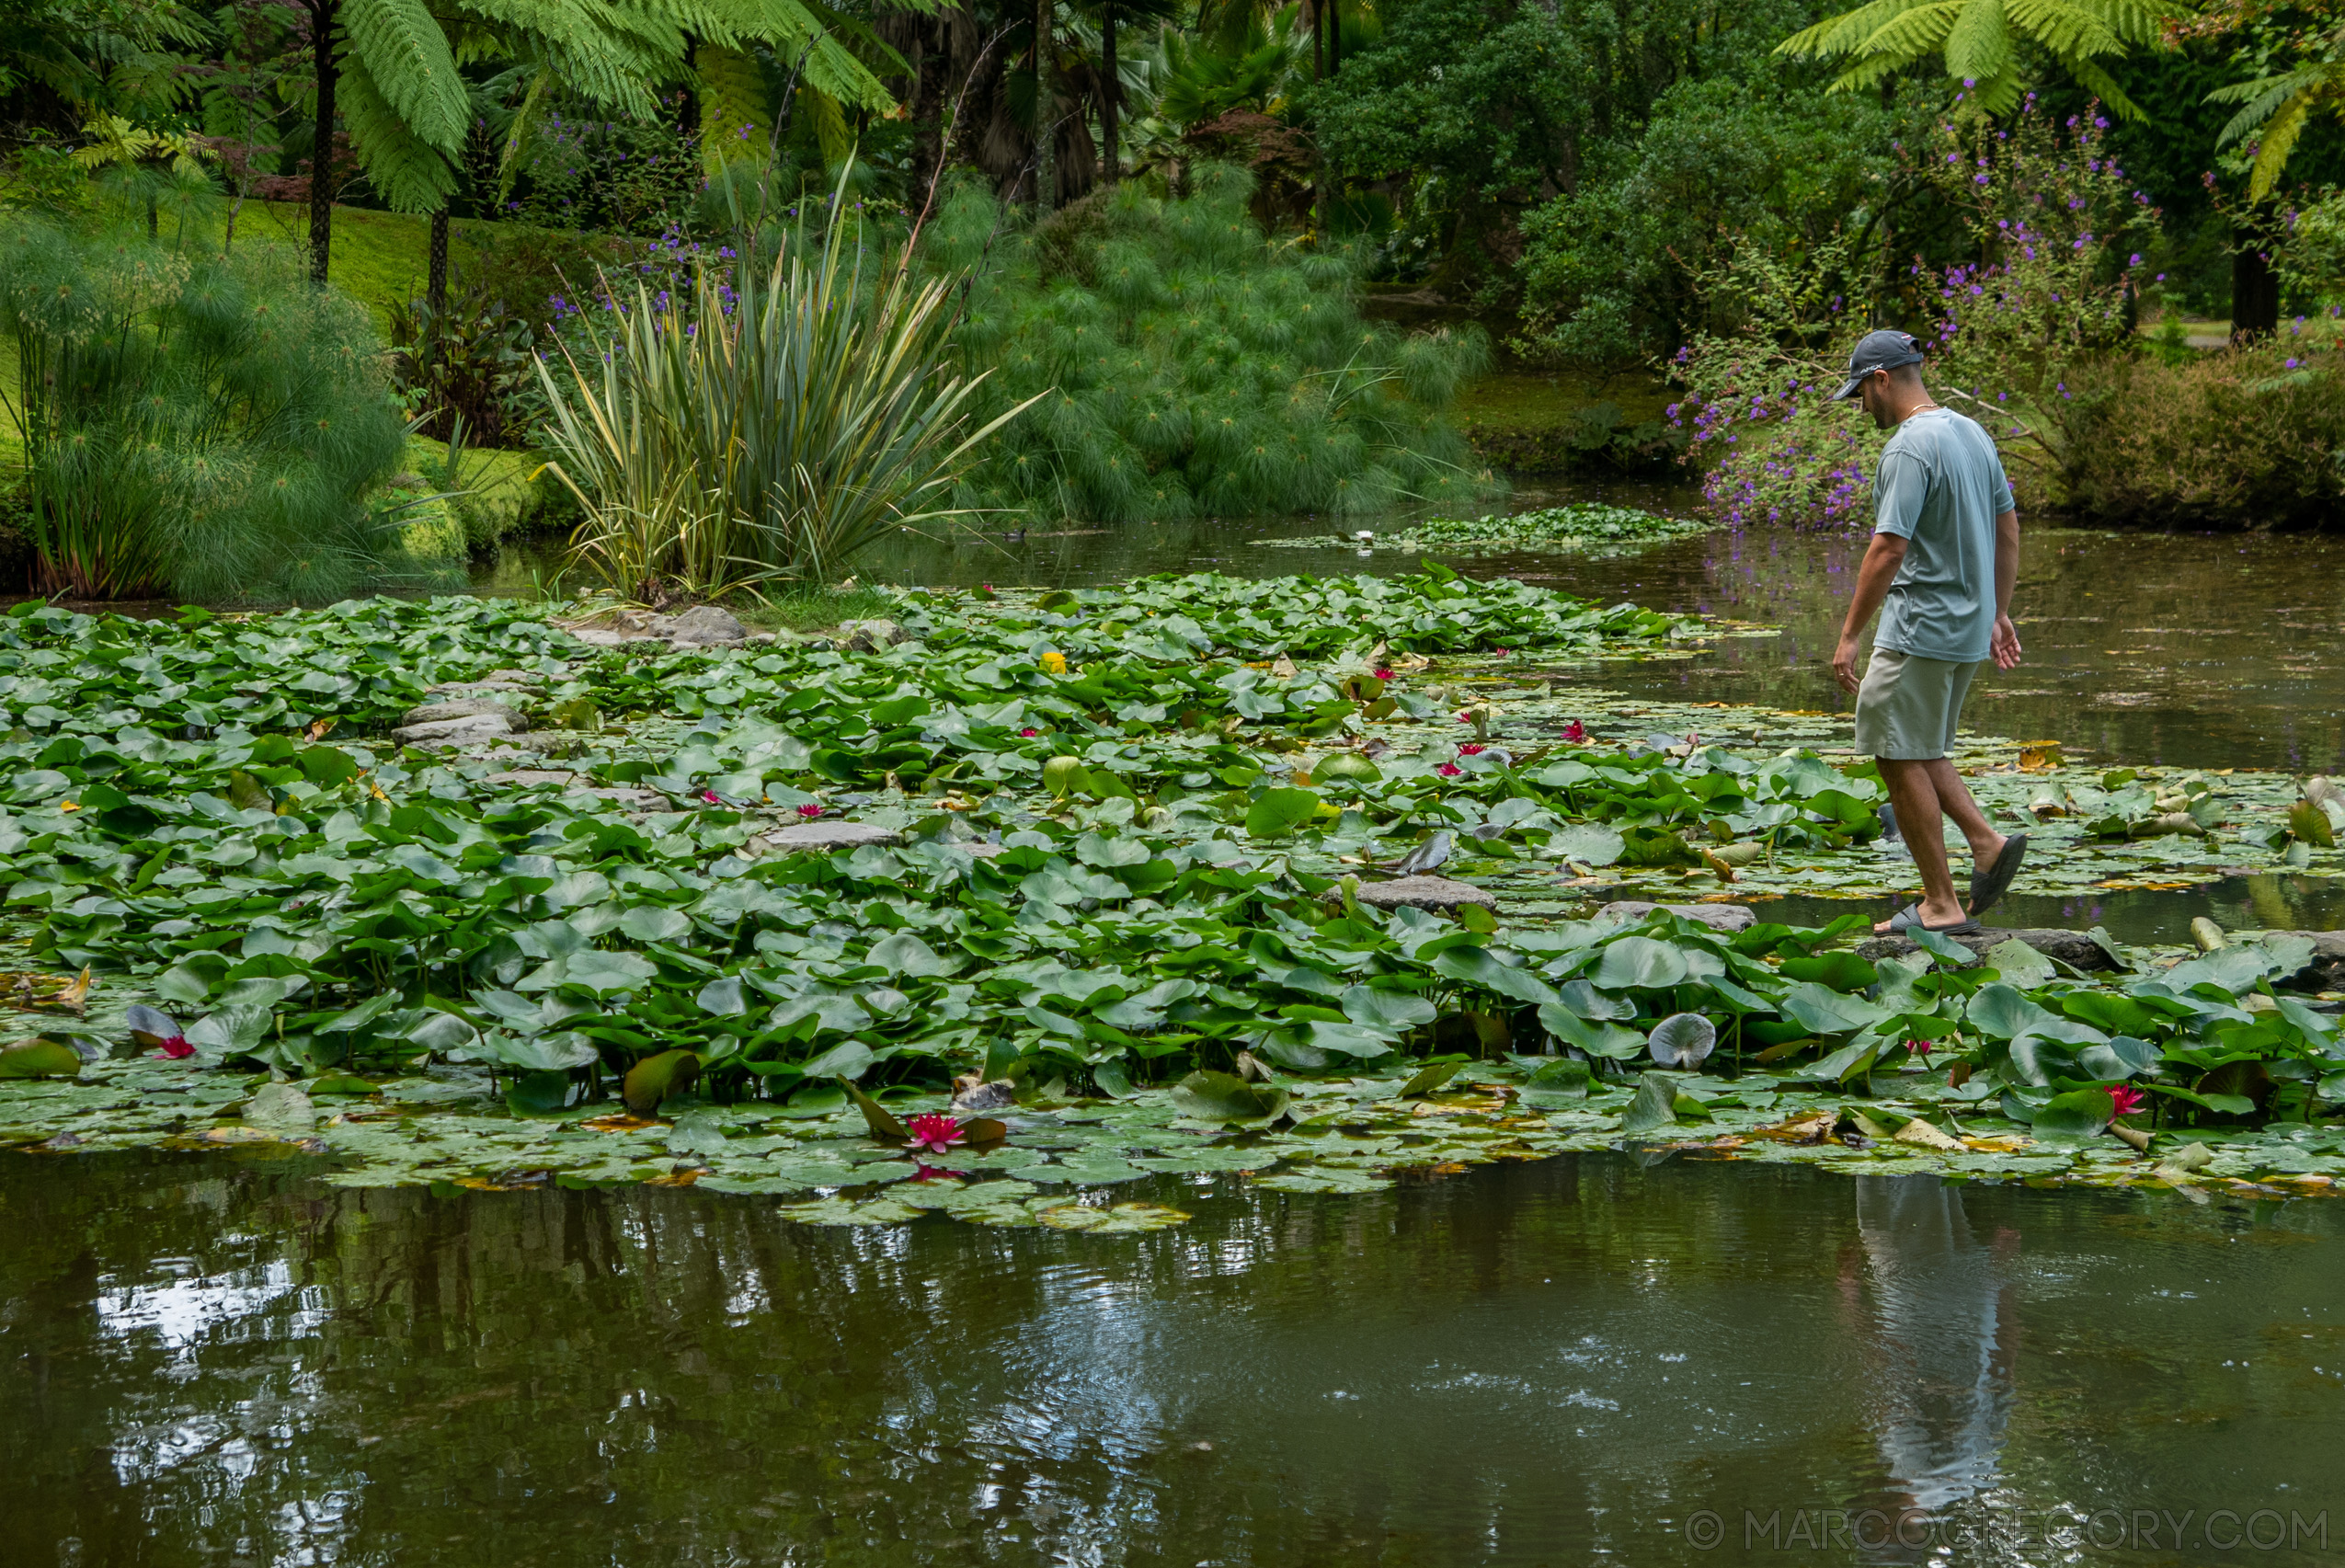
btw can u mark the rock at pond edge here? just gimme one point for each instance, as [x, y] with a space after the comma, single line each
[1436, 894]
[2073, 947]
[799, 838]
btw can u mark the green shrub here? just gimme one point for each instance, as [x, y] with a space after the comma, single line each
[210, 427]
[2240, 439]
[1191, 367]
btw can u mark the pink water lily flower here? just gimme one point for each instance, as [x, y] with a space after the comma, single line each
[2124, 1100]
[1469, 750]
[1384, 672]
[934, 1134]
[809, 811]
[1575, 732]
[1449, 769]
[1028, 733]
[709, 795]
[176, 1047]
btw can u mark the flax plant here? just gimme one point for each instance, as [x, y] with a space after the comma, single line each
[769, 426]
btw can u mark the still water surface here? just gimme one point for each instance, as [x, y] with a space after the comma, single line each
[2191, 650]
[1587, 1359]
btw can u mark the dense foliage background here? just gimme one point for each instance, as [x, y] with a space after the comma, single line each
[1250, 257]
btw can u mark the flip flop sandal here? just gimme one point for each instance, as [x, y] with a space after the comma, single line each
[1910, 919]
[1990, 883]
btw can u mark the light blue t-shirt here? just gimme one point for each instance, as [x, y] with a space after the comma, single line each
[1940, 488]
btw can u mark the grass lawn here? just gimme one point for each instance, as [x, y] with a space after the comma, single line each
[378, 258]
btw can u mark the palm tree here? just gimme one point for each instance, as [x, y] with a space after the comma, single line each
[1979, 40]
[1110, 80]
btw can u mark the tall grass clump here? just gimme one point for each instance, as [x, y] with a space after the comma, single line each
[208, 427]
[1189, 366]
[750, 426]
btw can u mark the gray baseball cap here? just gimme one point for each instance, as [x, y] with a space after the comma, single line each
[1883, 350]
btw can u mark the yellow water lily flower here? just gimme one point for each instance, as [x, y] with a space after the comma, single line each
[1054, 663]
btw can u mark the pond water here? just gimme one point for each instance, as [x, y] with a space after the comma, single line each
[2192, 650]
[222, 1362]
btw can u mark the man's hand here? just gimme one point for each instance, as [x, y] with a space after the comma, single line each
[2003, 643]
[1844, 663]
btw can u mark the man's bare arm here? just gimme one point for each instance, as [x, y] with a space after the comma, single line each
[2003, 643]
[1883, 558]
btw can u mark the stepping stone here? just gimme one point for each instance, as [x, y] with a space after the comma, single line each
[465, 707]
[1729, 918]
[2073, 947]
[632, 799]
[1437, 894]
[2326, 970]
[870, 637]
[701, 627]
[457, 730]
[820, 838]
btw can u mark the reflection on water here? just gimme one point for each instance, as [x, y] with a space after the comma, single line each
[1946, 1363]
[216, 1363]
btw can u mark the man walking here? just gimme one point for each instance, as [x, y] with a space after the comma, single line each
[1945, 554]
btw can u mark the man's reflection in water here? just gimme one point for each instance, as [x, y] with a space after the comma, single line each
[1943, 1337]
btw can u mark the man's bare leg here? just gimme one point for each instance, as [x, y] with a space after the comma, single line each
[1913, 794]
[1954, 799]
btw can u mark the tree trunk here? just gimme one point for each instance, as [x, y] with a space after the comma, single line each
[1319, 72]
[928, 113]
[1335, 36]
[1045, 118]
[435, 287]
[1110, 93]
[2255, 294]
[321, 151]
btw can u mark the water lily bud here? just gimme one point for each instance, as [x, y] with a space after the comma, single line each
[1060, 773]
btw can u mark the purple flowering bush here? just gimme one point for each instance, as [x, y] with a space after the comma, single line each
[2021, 333]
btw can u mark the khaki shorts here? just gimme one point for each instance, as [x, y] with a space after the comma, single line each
[1907, 705]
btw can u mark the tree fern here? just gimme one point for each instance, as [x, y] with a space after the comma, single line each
[404, 54]
[1978, 42]
[2275, 110]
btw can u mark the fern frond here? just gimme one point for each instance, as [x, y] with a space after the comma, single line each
[412, 70]
[2102, 86]
[797, 35]
[829, 124]
[2278, 140]
[1846, 33]
[1915, 33]
[407, 172]
[734, 120]
[1979, 43]
[2263, 100]
[2066, 29]
[517, 135]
